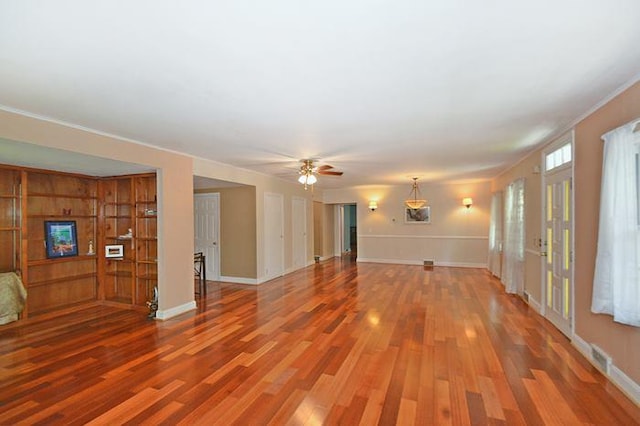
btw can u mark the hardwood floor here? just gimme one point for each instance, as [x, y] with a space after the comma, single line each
[335, 343]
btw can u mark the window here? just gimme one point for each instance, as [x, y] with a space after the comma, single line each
[558, 157]
[615, 283]
[513, 267]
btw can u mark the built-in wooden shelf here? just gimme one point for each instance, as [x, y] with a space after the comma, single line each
[63, 217]
[125, 274]
[150, 277]
[49, 195]
[104, 209]
[61, 280]
[61, 259]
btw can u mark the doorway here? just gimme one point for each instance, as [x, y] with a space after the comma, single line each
[206, 223]
[347, 230]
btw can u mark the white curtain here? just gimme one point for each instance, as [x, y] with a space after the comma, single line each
[513, 247]
[616, 289]
[495, 234]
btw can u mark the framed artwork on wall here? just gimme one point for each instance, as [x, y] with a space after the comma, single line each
[61, 238]
[114, 250]
[421, 215]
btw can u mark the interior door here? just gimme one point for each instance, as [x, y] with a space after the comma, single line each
[273, 235]
[557, 265]
[299, 225]
[206, 226]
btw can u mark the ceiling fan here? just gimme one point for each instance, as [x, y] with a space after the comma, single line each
[308, 171]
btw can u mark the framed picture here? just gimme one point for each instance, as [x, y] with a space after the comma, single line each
[115, 250]
[421, 215]
[61, 238]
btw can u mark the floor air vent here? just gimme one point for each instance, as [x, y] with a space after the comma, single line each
[428, 264]
[601, 359]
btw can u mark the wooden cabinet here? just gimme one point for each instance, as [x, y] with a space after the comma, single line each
[10, 220]
[146, 238]
[105, 211]
[129, 220]
[59, 282]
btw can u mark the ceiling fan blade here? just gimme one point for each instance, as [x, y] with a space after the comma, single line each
[325, 167]
[329, 172]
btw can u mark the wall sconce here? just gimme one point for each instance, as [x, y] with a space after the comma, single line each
[467, 202]
[373, 205]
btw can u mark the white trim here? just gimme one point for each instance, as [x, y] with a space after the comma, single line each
[582, 346]
[306, 265]
[535, 305]
[623, 382]
[429, 237]
[421, 262]
[175, 311]
[555, 135]
[89, 130]
[239, 280]
[606, 99]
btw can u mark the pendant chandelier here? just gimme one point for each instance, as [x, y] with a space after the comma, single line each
[415, 203]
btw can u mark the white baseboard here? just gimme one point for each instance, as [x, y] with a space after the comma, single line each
[535, 305]
[239, 280]
[420, 262]
[175, 311]
[625, 383]
[617, 376]
[323, 258]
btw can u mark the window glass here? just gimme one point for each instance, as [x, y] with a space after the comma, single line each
[558, 157]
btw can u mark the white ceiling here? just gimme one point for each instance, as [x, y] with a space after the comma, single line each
[382, 90]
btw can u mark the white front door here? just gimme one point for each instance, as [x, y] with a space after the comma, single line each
[273, 235]
[206, 211]
[299, 229]
[557, 265]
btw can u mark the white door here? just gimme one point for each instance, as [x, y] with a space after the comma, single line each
[273, 235]
[299, 232]
[206, 212]
[557, 235]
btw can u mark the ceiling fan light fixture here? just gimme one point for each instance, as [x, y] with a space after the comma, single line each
[415, 203]
[306, 174]
[309, 179]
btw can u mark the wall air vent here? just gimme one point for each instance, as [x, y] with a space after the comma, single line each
[601, 359]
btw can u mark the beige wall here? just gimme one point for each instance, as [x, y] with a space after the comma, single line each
[533, 182]
[620, 341]
[238, 232]
[456, 236]
[175, 221]
[328, 241]
[265, 184]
